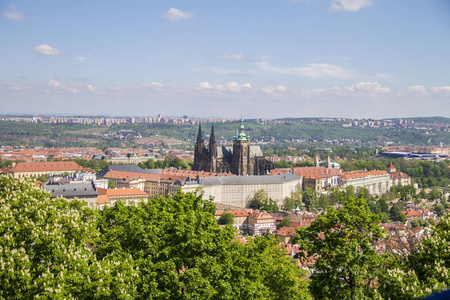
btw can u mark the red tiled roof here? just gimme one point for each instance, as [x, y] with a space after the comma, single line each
[361, 174]
[113, 174]
[286, 231]
[261, 215]
[238, 213]
[46, 167]
[122, 192]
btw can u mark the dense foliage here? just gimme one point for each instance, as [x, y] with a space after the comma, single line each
[261, 201]
[168, 248]
[342, 244]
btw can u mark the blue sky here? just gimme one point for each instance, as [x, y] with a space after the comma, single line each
[263, 58]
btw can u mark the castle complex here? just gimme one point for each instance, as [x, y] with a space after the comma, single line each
[240, 159]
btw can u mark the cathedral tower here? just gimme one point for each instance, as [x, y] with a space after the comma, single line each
[200, 151]
[212, 151]
[241, 151]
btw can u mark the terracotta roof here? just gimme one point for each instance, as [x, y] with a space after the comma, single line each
[286, 231]
[113, 174]
[412, 212]
[361, 174]
[102, 199]
[122, 192]
[46, 167]
[399, 175]
[239, 213]
[261, 215]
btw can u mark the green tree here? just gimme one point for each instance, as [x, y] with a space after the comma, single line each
[434, 194]
[396, 212]
[324, 201]
[342, 244]
[439, 210]
[424, 271]
[350, 190]
[47, 249]
[111, 184]
[226, 218]
[309, 198]
[285, 222]
[182, 253]
[383, 205]
[261, 201]
[289, 203]
[149, 164]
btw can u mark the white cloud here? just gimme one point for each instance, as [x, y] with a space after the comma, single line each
[152, 86]
[311, 70]
[156, 84]
[349, 5]
[420, 89]
[54, 83]
[93, 89]
[272, 90]
[441, 89]
[13, 14]
[69, 89]
[368, 87]
[80, 58]
[205, 85]
[174, 15]
[46, 50]
[228, 87]
[57, 85]
[237, 56]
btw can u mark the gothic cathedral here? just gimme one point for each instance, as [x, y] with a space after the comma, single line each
[241, 159]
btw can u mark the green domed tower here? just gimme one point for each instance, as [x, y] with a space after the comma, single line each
[241, 150]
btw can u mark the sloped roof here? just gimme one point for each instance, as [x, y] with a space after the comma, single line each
[79, 190]
[128, 168]
[261, 215]
[113, 174]
[122, 192]
[286, 231]
[46, 167]
[362, 174]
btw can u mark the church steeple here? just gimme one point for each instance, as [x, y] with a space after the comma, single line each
[240, 133]
[199, 150]
[212, 143]
[200, 144]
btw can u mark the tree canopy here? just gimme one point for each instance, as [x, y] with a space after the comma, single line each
[167, 248]
[226, 219]
[342, 244]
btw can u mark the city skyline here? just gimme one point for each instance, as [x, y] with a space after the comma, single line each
[267, 59]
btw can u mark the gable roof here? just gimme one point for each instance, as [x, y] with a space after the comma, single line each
[286, 231]
[127, 168]
[46, 167]
[79, 190]
[122, 192]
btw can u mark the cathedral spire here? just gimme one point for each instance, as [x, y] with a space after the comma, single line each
[240, 132]
[199, 150]
[212, 143]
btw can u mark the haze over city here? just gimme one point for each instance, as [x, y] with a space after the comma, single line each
[272, 59]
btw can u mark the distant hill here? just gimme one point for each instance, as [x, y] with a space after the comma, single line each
[431, 120]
